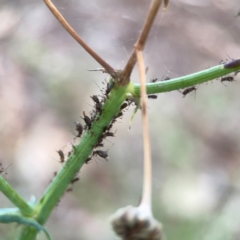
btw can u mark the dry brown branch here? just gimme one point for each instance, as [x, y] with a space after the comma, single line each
[72, 32]
[147, 182]
[125, 78]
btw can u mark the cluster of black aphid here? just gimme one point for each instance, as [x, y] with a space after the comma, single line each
[88, 120]
[94, 115]
[184, 92]
[106, 133]
[227, 64]
[154, 96]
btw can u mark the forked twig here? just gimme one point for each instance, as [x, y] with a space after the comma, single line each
[147, 178]
[125, 78]
[73, 33]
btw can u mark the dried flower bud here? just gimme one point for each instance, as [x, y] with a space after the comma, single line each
[136, 223]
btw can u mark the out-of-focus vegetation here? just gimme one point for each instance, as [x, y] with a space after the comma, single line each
[45, 86]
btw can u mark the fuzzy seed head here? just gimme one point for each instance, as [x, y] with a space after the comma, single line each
[134, 223]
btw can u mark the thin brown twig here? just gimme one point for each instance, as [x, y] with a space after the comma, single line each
[125, 77]
[72, 32]
[147, 177]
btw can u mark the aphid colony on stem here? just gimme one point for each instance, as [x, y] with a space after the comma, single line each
[226, 64]
[97, 111]
[88, 120]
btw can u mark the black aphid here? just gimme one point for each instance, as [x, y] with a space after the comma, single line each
[99, 145]
[110, 125]
[79, 129]
[110, 85]
[188, 90]
[118, 115]
[100, 139]
[75, 180]
[153, 80]
[87, 120]
[100, 153]
[166, 79]
[152, 96]
[99, 107]
[69, 153]
[95, 99]
[61, 155]
[227, 79]
[108, 134]
[124, 105]
[88, 160]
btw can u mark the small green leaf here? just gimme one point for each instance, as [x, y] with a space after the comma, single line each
[10, 215]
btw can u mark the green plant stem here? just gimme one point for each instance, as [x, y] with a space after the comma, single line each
[185, 81]
[72, 166]
[13, 196]
[60, 183]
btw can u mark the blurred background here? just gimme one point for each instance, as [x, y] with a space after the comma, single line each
[45, 86]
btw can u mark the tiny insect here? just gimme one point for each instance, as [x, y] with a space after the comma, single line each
[75, 180]
[79, 129]
[227, 79]
[153, 80]
[119, 115]
[124, 105]
[88, 160]
[152, 96]
[102, 154]
[110, 85]
[62, 157]
[95, 99]
[87, 120]
[109, 126]
[99, 145]
[69, 190]
[69, 153]
[188, 90]
[100, 139]
[232, 64]
[99, 107]
[108, 134]
[166, 78]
